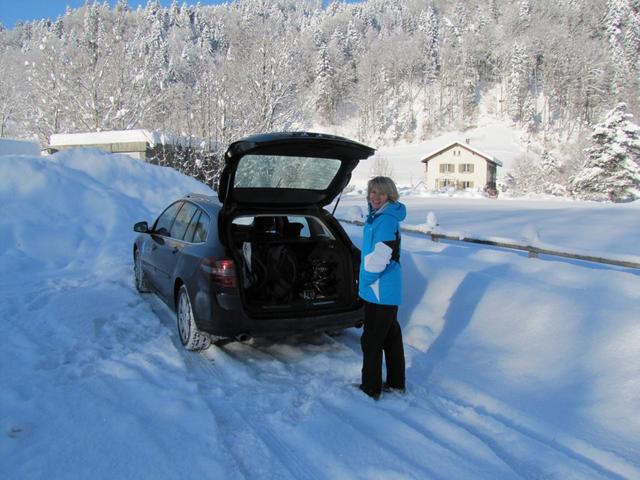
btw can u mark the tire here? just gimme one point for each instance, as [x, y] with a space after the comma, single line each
[140, 280]
[190, 337]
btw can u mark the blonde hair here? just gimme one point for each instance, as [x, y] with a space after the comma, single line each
[386, 185]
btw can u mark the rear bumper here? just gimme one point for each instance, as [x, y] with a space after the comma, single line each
[226, 317]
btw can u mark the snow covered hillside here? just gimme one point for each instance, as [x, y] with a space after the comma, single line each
[516, 367]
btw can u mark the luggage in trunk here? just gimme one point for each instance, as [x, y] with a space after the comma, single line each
[284, 272]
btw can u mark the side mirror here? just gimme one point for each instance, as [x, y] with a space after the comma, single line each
[141, 227]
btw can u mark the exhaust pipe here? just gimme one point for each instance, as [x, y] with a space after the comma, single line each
[243, 337]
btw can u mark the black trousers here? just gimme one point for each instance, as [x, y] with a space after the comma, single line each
[381, 334]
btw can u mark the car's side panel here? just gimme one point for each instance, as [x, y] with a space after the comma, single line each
[166, 255]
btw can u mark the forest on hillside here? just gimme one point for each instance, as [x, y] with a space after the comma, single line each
[382, 70]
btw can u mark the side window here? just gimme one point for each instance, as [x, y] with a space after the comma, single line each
[165, 220]
[202, 226]
[318, 229]
[188, 237]
[179, 227]
[303, 226]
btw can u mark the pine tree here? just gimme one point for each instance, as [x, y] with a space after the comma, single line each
[518, 81]
[428, 31]
[551, 172]
[323, 85]
[621, 24]
[611, 170]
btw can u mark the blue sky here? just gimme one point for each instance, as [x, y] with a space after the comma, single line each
[12, 11]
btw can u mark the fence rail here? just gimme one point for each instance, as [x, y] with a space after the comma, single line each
[532, 251]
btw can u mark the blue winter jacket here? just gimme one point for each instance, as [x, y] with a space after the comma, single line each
[380, 272]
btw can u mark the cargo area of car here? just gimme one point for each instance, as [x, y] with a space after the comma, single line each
[291, 265]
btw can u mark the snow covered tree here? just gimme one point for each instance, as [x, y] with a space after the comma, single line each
[622, 24]
[323, 85]
[9, 94]
[429, 43]
[551, 174]
[381, 167]
[46, 102]
[611, 170]
[524, 176]
[518, 81]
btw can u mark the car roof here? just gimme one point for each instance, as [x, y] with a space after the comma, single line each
[209, 203]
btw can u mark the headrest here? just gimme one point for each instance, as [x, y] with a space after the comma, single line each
[293, 229]
[264, 224]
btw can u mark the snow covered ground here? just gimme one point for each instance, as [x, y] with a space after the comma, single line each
[517, 367]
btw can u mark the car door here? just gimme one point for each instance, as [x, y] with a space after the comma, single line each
[167, 252]
[157, 239]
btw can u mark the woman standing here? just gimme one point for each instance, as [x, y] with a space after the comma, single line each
[381, 289]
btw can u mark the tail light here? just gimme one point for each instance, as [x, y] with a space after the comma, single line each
[221, 271]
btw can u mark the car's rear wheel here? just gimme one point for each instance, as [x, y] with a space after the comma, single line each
[141, 281]
[190, 336]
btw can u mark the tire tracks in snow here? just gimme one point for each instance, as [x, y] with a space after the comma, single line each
[254, 448]
[384, 453]
[275, 451]
[498, 432]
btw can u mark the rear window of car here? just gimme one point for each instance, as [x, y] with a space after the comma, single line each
[289, 226]
[277, 171]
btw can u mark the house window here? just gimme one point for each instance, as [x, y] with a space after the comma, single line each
[447, 168]
[446, 183]
[466, 184]
[465, 168]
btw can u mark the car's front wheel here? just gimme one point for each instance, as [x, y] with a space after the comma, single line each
[190, 336]
[141, 280]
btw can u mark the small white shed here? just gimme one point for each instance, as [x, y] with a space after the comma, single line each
[135, 143]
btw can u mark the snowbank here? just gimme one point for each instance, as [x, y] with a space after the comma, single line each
[18, 147]
[71, 207]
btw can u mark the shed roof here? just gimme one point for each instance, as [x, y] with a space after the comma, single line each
[110, 137]
[487, 157]
[104, 138]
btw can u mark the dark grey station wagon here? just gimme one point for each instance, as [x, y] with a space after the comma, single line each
[264, 258]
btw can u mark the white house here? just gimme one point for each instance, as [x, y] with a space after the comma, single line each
[460, 166]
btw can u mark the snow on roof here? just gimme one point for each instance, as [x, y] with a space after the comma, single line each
[487, 157]
[101, 138]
